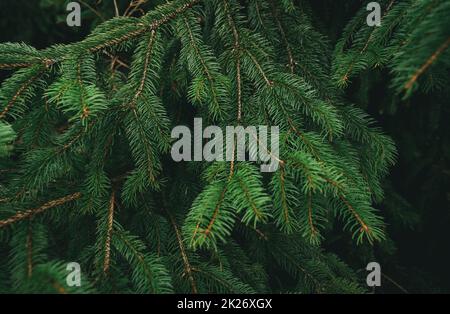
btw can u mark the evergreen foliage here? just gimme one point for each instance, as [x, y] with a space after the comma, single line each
[85, 167]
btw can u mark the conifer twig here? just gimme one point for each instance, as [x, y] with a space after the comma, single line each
[283, 195]
[202, 60]
[394, 282]
[115, 41]
[15, 65]
[140, 257]
[22, 88]
[211, 275]
[346, 76]
[87, 5]
[307, 273]
[310, 216]
[358, 218]
[29, 251]
[107, 261]
[144, 28]
[291, 60]
[216, 212]
[31, 212]
[187, 265]
[116, 9]
[236, 48]
[427, 64]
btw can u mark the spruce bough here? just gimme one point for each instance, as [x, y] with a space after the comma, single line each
[86, 174]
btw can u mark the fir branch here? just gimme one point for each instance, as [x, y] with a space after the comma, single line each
[284, 203]
[225, 61]
[32, 212]
[314, 232]
[116, 8]
[145, 68]
[364, 227]
[144, 28]
[93, 10]
[236, 50]
[107, 260]
[9, 66]
[427, 64]
[134, 6]
[22, 88]
[29, 246]
[317, 283]
[149, 274]
[208, 229]
[292, 62]
[141, 28]
[268, 82]
[209, 67]
[345, 77]
[184, 256]
[227, 282]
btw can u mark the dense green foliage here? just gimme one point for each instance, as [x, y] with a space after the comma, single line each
[86, 174]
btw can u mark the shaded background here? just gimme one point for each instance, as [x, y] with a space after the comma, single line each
[416, 256]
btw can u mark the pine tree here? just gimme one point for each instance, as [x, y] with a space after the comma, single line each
[86, 174]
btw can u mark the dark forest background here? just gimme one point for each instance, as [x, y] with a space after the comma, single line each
[416, 257]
